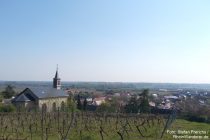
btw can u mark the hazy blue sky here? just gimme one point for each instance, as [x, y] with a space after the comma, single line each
[106, 40]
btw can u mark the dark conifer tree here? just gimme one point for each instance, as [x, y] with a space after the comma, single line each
[144, 101]
[85, 104]
[79, 105]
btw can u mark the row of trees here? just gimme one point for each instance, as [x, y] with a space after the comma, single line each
[192, 110]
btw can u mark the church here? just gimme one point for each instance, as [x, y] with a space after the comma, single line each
[48, 99]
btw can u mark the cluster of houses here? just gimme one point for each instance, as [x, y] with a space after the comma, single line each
[53, 98]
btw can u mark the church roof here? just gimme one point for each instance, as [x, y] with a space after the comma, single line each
[22, 98]
[31, 94]
[42, 93]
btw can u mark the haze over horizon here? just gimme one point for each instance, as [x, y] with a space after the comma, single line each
[155, 41]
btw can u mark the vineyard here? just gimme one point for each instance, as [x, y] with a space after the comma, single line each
[79, 126]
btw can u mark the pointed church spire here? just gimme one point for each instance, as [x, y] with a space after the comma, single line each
[56, 74]
[56, 80]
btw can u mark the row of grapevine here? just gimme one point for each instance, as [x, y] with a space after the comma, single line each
[79, 125]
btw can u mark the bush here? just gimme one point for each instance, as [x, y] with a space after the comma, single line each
[106, 107]
[195, 118]
[7, 108]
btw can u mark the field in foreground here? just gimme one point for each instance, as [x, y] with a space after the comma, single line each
[92, 126]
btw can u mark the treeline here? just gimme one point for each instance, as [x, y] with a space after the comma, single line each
[191, 110]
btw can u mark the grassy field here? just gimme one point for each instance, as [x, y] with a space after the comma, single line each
[90, 126]
[193, 127]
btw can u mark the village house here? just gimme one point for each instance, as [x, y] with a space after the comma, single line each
[48, 99]
[98, 101]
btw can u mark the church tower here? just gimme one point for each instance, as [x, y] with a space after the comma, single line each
[56, 80]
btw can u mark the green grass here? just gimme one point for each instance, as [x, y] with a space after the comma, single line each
[187, 125]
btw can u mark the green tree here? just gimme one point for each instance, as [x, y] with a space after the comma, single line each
[85, 104]
[132, 106]
[71, 105]
[79, 104]
[139, 104]
[104, 107]
[144, 101]
[8, 92]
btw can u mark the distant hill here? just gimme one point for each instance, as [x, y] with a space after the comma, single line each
[105, 85]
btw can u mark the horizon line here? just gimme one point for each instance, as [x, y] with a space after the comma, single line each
[106, 82]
